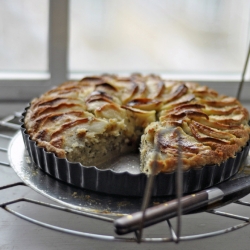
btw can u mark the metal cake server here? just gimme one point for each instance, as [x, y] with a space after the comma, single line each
[221, 194]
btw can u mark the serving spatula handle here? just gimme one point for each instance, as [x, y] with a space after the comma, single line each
[160, 212]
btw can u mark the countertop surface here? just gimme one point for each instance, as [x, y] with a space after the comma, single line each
[17, 233]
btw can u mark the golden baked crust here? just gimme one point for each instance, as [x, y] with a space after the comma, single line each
[92, 120]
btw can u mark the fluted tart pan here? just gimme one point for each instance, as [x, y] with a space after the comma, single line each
[128, 183]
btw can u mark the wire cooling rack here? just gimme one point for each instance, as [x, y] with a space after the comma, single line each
[173, 227]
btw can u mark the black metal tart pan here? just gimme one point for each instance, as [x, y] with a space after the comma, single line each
[126, 183]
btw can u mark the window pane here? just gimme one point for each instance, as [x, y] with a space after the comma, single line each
[24, 35]
[189, 36]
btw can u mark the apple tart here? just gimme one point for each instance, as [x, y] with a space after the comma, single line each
[99, 117]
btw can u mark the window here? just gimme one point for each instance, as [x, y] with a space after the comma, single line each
[42, 43]
[166, 36]
[23, 36]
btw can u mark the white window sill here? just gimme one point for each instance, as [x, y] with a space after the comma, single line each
[24, 76]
